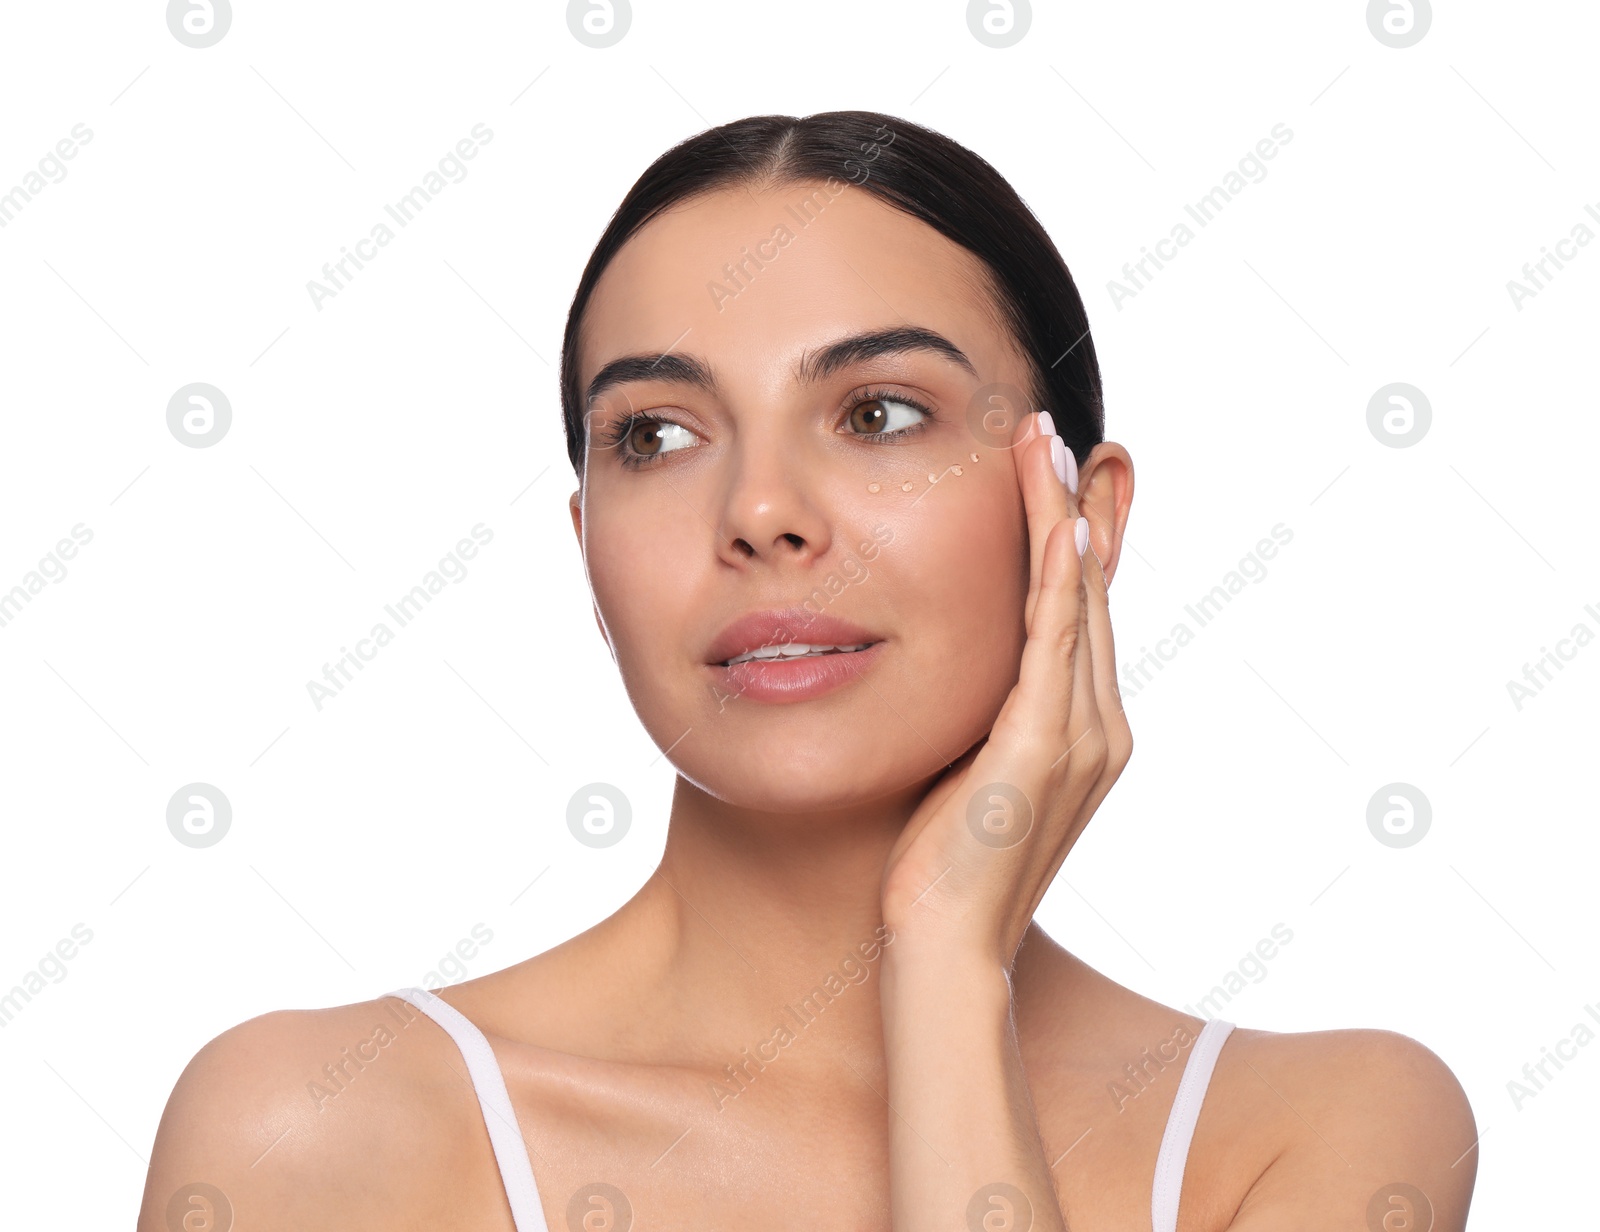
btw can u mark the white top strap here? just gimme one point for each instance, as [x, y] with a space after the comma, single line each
[510, 1150]
[1179, 1133]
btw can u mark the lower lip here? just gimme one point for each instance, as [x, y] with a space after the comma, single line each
[796, 679]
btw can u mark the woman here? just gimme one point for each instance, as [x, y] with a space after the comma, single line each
[849, 520]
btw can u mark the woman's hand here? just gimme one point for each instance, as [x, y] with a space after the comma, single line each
[975, 859]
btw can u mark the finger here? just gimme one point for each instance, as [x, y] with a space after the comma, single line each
[1107, 691]
[1086, 737]
[1076, 762]
[1046, 500]
[1047, 693]
[1106, 751]
[1052, 721]
[1027, 438]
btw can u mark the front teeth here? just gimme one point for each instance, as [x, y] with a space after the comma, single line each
[790, 650]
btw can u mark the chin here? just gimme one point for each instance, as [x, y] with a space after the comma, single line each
[786, 779]
[838, 772]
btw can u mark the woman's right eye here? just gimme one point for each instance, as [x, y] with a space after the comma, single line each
[641, 440]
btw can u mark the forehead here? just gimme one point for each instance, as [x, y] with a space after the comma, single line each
[749, 279]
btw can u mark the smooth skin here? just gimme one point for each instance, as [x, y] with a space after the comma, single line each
[971, 1048]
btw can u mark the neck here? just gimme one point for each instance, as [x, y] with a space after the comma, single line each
[759, 923]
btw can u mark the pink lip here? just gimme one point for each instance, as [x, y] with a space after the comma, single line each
[797, 679]
[790, 679]
[776, 626]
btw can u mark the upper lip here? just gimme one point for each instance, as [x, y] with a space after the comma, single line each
[780, 626]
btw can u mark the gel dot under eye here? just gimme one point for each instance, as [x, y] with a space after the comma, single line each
[874, 487]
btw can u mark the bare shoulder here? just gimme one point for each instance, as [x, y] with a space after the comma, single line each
[1312, 1130]
[1367, 1128]
[356, 1116]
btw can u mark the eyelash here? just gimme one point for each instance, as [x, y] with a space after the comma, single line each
[614, 435]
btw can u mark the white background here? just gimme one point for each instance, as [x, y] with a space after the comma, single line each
[368, 437]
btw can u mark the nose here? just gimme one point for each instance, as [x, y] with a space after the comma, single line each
[770, 508]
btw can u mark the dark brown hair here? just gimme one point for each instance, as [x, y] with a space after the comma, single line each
[914, 169]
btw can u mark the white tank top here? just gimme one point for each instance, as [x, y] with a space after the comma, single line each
[516, 1170]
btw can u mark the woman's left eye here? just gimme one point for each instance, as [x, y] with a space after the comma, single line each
[886, 415]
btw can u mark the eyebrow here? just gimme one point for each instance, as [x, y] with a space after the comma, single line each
[813, 366]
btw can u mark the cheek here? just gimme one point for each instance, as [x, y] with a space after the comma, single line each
[957, 571]
[964, 546]
[640, 587]
[943, 567]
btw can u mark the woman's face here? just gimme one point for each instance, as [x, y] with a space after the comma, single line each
[763, 486]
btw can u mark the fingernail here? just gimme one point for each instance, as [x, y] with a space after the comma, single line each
[1066, 465]
[1080, 534]
[1047, 426]
[1058, 458]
